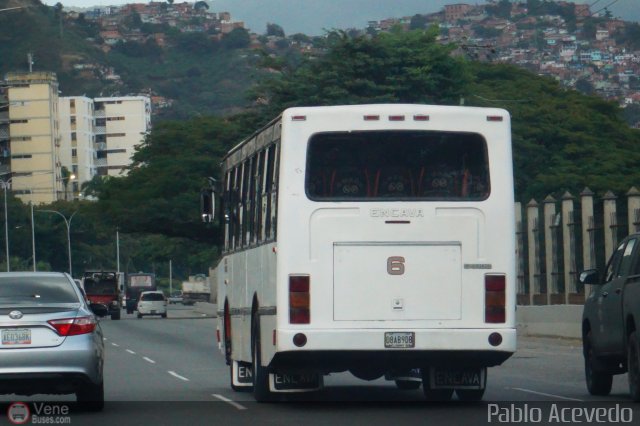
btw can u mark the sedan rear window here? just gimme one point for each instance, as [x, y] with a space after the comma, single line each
[36, 290]
[152, 297]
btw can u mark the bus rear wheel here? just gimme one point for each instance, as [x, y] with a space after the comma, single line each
[261, 390]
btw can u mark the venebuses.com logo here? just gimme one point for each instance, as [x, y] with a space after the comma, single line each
[18, 413]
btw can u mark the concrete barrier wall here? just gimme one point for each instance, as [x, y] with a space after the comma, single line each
[550, 320]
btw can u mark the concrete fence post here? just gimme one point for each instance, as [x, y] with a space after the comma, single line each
[549, 209]
[521, 296]
[633, 202]
[568, 247]
[588, 232]
[610, 224]
[534, 252]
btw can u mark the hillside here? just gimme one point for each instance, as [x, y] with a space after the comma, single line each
[196, 74]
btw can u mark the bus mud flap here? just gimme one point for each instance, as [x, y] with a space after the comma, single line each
[291, 382]
[242, 374]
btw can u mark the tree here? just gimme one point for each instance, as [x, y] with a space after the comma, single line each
[238, 38]
[501, 9]
[390, 67]
[201, 5]
[585, 86]
[418, 22]
[274, 30]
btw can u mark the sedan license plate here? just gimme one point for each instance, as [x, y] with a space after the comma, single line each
[16, 336]
[399, 339]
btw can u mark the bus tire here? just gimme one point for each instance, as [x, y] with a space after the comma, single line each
[633, 366]
[598, 381]
[434, 395]
[407, 384]
[261, 391]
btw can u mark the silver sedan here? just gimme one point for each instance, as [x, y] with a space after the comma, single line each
[51, 340]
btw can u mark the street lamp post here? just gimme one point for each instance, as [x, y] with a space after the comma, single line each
[5, 184]
[68, 223]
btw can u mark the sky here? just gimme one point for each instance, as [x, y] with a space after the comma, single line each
[312, 17]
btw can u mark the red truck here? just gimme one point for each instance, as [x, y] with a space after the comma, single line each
[103, 287]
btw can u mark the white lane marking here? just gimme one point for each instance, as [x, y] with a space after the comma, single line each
[131, 352]
[228, 401]
[148, 360]
[174, 374]
[104, 338]
[548, 394]
[115, 344]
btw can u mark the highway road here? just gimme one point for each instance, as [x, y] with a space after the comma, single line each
[169, 372]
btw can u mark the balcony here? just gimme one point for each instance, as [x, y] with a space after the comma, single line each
[99, 113]
[100, 130]
[100, 162]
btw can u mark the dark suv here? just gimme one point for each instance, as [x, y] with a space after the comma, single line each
[611, 342]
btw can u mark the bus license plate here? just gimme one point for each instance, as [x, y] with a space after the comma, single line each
[399, 339]
[16, 336]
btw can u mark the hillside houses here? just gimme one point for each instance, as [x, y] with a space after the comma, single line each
[560, 46]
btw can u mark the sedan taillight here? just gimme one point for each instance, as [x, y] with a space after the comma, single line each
[74, 326]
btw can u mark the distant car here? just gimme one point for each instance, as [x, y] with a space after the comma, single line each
[51, 340]
[152, 303]
[176, 297]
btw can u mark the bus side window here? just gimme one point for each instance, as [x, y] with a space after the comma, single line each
[237, 207]
[274, 192]
[226, 211]
[266, 197]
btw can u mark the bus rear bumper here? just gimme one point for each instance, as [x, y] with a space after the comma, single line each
[342, 349]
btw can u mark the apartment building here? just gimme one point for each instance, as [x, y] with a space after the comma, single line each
[77, 150]
[51, 145]
[5, 158]
[120, 125]
[34, 136]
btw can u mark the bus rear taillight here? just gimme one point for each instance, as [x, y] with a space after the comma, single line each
[494, 298]
[299, 300]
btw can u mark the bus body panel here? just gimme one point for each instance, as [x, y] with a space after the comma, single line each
[447, 249]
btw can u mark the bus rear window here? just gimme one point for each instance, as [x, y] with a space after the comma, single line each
[397, 165]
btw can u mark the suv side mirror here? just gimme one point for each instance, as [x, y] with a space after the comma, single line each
[589, 276]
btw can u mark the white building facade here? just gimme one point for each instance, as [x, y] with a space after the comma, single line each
[120, 125]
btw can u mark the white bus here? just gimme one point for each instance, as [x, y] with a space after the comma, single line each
[374, 239]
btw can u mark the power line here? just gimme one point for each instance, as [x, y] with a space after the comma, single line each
[610, 4]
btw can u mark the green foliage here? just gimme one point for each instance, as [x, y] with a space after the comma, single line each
[274, 30]
[486, 32]
[629, 35]
[391, 67]
[238, 38]
[501, 9]
[562, 140]
[418, 22]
